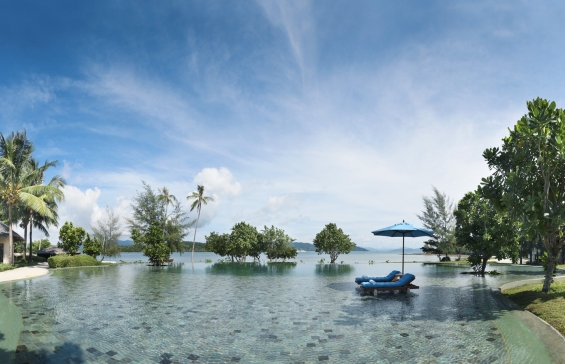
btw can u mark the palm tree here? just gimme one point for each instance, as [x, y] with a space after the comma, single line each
[167, 199]
[35, 219]
[16, 182]
[199, 199]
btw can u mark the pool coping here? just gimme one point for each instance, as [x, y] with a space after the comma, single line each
[553, 339]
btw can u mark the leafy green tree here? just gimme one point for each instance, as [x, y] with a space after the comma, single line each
[244, 241]
[219, 244]
[199, 199]
[276, 244]
[16, 182]
[528, 177]
[41, 244]
[484, 231]
[71, 238]
[92, 247]
[438, 217]
[151, 208]
[333, 241]
[154, 246]
[107, 230]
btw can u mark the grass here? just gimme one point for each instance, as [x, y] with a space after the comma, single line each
[21, 263]
[548, 306]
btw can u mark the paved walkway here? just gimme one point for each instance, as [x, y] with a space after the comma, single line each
[24, 272]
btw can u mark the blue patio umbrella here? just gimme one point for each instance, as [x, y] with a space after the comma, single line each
[403, 229]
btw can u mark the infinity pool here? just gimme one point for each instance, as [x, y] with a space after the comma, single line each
[304, 312]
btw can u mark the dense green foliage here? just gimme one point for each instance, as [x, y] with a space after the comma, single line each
[484, 231]
[333, 241]
[151, 208]
[438, 217]
[154, 246]
[71, 238]
[528, 177]
[276, 244]
[41, 244]
[64, 261]
[91, 246]
[244, 240]
[22, 191]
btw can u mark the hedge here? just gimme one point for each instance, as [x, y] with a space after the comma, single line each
[63, 261]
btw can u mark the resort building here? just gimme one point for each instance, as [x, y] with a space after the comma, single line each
[4, 240]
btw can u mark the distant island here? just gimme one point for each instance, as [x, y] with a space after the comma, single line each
[309, 247]
[126, 246]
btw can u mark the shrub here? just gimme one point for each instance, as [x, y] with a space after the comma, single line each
[63, 261]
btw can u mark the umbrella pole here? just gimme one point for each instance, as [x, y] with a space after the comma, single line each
[402, 254]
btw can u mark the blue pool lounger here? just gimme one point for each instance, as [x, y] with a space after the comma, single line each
[403, 284]
[388, 278]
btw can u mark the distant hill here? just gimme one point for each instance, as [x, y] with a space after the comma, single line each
[126, 246]
[309, 247]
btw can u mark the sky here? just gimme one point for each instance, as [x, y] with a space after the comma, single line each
[290, 113]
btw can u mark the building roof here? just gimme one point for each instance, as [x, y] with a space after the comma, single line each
[5, 232]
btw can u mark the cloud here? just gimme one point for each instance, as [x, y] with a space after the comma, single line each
[221, 185]
[219, 182]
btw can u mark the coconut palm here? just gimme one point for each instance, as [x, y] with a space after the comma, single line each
[16, 181]
[199, 199]
[167, 199]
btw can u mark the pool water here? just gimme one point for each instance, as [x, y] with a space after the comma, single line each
[256, 313]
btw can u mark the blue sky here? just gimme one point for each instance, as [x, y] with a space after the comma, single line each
[293, 114]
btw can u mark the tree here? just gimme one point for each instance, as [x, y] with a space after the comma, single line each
[219, 244]
[244, 241]
[199, 199]
[432, 247]
[16, 182]
[528, 177]
[154, 245]
[438, 217]
[92, 247]
[41, 244]
[276, 244]
[35, 219]
[484, 231]
[71, 238]
[333, 241]
[151, 209]
[107, 230]
[167, 199]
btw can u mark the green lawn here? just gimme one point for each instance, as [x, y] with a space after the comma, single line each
[549, 306]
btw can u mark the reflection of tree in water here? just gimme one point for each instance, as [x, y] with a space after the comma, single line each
[333, 269]
[251, 269]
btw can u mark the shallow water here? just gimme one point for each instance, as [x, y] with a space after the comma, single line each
[302, 312]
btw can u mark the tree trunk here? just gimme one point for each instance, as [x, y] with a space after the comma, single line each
[25, 242]
[548, 274]
[194, 240]
[520, 256]
[484, 265]
[30, 237]
[11, 237]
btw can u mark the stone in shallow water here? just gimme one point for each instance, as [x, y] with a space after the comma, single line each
[404, 334]
[310, 345]
[323, 357]
[193, 357]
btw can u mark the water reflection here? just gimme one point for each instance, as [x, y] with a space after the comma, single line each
[251, 269]
[333, 269]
